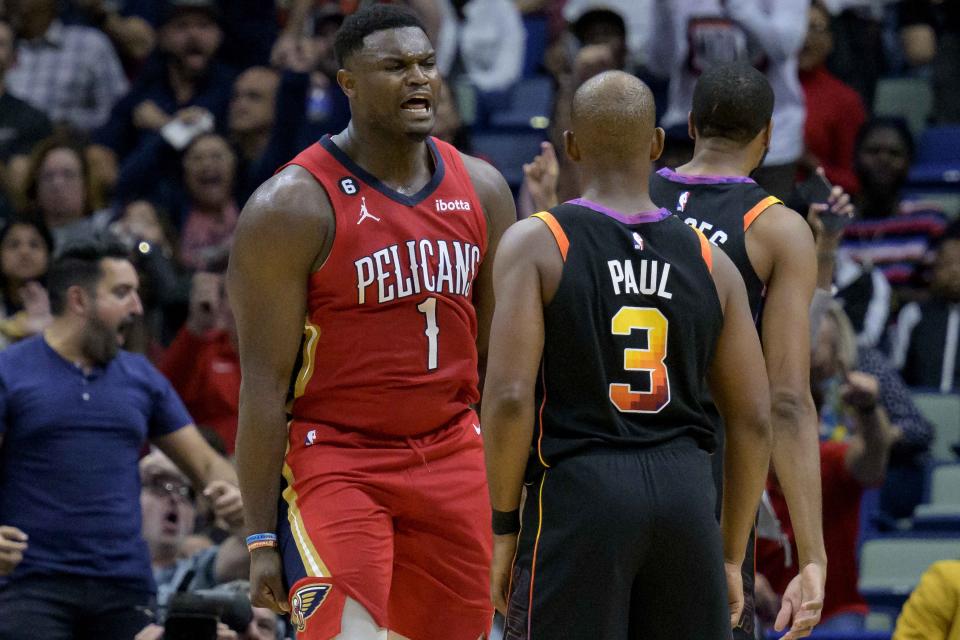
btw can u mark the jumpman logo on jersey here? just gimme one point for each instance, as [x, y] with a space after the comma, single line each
[364, 213]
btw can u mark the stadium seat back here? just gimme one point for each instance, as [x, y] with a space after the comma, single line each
[943, 411]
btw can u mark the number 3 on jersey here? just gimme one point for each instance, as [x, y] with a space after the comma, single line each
[650, 360]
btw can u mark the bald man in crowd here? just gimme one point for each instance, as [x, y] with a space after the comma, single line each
[619, 537]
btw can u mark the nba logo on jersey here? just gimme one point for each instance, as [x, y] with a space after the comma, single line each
[311, 438]
[682, 202]
[305, 603]
[637, 241]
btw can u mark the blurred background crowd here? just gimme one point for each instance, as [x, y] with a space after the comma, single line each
[156, 120]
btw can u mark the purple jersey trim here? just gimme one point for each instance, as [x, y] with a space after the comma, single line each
[627, 218]
[673, 176]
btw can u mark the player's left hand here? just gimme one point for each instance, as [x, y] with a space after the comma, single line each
[227, 502]
[504, 550]
[734, 591]
[802, 602]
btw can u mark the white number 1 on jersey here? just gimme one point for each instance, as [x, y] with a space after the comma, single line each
[429, 308]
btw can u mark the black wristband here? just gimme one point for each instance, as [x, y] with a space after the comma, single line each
[506, 522]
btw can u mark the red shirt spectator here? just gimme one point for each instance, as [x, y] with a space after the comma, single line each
[834, 115]
[835, 112]
[202, 361]
[205, 371]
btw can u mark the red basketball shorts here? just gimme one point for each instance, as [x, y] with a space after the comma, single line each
[402, 526]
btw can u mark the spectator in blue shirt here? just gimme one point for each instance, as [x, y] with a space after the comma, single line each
[182, 85]
[75, 413]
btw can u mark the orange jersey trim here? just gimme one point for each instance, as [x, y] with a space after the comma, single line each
[759, 208]
[706, 249]
[562, 242]
[543, 376]
[536, 548]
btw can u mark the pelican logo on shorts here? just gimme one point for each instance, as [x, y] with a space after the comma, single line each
[682, 202]
[306, 601]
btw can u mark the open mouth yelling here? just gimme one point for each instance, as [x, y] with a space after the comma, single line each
[416, 106]
[171, 522]
[123, 331]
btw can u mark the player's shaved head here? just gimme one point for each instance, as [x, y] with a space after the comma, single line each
[732, 101]
[613, 118]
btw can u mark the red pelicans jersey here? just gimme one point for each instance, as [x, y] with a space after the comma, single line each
[390, 338]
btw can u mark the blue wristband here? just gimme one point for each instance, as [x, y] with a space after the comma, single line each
[261, 537]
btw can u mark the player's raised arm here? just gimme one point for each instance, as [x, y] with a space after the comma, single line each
[279, 241]
[500, 212]
[738, 382]
[786, 346]
[516, 346]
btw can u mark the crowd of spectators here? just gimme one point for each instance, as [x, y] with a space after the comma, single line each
[154, 121]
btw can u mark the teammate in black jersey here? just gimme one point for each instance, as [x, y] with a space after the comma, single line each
[607, 323]
[773, 249]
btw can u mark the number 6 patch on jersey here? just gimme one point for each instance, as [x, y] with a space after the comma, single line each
[348, 186]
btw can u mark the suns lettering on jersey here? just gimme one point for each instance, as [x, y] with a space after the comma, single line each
[416, 266]
[716, 238]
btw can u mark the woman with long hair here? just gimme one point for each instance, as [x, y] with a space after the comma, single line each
[25, 249]
[60, 190]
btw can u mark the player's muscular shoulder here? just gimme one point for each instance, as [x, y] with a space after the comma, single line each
[294, 207]
[491, 188]
[495, 198]
[774, 237]
[530, 242]
[726, 277]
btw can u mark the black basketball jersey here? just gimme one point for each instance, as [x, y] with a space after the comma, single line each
[629, 333]
[723, 208]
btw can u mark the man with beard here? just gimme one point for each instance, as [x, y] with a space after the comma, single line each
[182, 86]
[75, 413]
[730, 123]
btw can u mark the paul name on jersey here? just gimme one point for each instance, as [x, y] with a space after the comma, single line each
[408, 269]
[652, 280]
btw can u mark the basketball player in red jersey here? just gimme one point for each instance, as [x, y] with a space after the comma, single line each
[382, 238]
